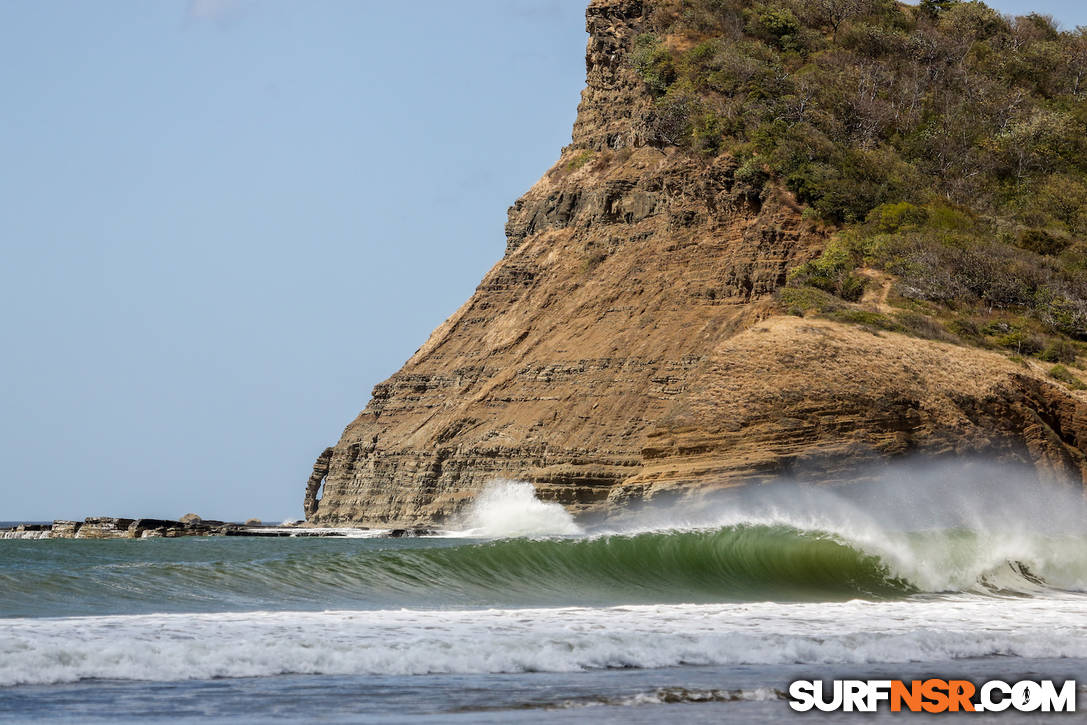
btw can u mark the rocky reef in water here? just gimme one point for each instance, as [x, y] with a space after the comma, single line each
[632, 343]
[110, 527]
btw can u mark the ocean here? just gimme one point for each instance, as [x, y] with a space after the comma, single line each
[697, 612]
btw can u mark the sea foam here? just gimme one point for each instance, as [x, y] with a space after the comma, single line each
[404, 642]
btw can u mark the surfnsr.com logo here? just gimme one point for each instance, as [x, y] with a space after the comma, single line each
[933, 695]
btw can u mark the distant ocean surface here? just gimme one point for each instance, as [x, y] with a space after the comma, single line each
[522, 615]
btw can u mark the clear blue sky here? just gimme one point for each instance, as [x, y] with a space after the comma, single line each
[223, 221]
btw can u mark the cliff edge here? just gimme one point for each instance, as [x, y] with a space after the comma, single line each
[634, 341]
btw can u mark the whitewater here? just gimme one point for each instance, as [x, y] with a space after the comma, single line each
[705, 607]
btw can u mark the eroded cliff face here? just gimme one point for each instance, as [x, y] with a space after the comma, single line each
[628, 345]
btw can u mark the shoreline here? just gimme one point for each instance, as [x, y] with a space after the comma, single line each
[110, 527]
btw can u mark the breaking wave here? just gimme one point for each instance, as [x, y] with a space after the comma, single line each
[510, 508]
[749, 561]
[772, 576]
[980, 531]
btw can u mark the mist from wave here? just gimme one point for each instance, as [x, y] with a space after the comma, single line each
[926, 530]
[508, 509]
[967, 526]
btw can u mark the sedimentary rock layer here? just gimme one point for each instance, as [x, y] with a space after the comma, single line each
[627, 344]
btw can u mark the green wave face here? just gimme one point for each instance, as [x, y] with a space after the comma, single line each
[972, 528]
[734, 563]
[748, 561]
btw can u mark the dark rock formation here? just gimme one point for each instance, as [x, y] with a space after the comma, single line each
[313, 486]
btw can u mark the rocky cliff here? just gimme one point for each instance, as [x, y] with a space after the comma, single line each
[630, 343]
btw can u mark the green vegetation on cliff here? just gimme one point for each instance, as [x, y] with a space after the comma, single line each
[946, 144]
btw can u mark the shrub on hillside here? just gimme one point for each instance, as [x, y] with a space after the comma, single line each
[945, 141]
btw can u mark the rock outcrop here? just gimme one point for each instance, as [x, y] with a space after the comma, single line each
[108, 527]
[628, 344]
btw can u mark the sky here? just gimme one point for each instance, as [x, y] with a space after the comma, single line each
[224, 221]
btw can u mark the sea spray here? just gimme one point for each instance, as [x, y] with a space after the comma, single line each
[928, 530]
[510, 508]
[962, 525]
